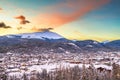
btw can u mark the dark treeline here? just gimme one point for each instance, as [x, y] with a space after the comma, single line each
[74, 73]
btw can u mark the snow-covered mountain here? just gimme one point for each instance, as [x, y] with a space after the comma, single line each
[38, 35]
[47, 41]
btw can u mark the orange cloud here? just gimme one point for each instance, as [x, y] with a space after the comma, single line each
[77, 8]
[22, 19]
[1, 9]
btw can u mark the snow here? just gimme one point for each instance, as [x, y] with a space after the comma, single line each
[15, 74]
[118, 62]
[37, 35]
[42, 35]
[73, 45]
[106, 41]
[89, 46]
[52, 67]
[10, 36]
[9, 53]
[95, 42]
[61, 48]
[103, 66]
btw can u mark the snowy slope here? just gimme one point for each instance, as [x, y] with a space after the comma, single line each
[39, 35]
[105, 42]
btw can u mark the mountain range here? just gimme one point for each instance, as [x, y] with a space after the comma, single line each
[49, 42]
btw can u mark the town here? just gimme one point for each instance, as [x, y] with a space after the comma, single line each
[14, 64]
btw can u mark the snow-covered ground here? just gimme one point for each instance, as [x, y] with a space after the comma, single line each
[18, 65]
[52, 67]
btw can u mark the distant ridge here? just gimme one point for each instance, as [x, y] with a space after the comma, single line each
[47, 41]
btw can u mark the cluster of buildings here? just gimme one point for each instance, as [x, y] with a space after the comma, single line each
[21, 63]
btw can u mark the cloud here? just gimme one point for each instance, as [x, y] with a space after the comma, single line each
[46, 29]
[19, 28]
[22, 19]
[1, 9]
[78, 9]
[41, 29]
[3, 25]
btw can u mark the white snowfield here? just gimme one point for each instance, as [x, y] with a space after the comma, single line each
[51, 67]
[41, 35]
[37, 35]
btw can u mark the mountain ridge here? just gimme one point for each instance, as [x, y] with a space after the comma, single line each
[43, 44]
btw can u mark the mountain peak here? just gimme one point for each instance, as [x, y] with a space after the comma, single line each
[39, 35]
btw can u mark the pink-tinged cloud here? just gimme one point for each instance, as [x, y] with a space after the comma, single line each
[1, 9]
[22, 19]
[78, 8]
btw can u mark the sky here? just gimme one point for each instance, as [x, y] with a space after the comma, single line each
[73, 19]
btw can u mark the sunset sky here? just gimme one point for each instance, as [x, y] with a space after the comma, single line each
[73, 19]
